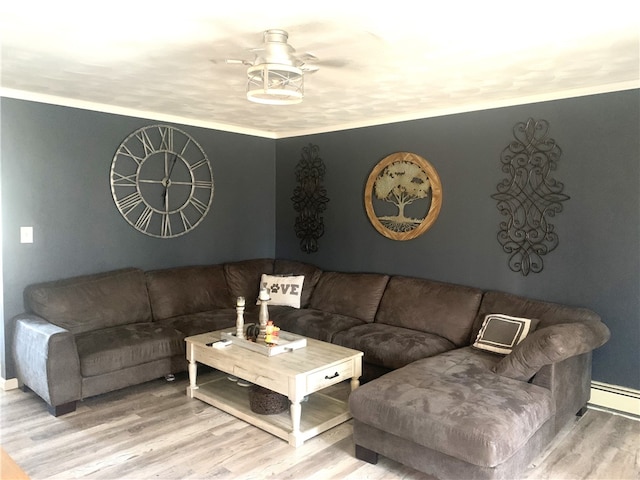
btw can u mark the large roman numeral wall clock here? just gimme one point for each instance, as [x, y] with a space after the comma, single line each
[161, 181]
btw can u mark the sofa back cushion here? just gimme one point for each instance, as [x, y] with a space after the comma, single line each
[243, 277]
[311, 276]
[352, 294]
[442, 309]
[91, 302]
[186, 290]
[548, 313]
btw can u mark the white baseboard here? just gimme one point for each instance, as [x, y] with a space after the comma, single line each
[614, 397]
[10, 384]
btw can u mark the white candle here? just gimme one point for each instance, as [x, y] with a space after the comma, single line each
[240, 302]
[264, 295]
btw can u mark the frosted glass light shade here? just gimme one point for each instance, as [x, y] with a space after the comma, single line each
[275, 84]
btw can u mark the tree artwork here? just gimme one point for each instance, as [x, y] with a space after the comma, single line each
[407, 182]
[401, 183]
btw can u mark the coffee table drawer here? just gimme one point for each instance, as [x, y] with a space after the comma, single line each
[330, 376]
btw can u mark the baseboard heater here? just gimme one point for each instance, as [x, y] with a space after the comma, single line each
[614, 397]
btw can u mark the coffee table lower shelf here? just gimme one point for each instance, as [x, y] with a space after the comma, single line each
[319, 413]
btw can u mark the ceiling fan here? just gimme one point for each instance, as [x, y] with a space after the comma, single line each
[276, 50]
[275, 75]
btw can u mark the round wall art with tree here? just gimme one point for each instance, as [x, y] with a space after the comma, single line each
[403, 196]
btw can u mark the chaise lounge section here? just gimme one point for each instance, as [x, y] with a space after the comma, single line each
[468, 413]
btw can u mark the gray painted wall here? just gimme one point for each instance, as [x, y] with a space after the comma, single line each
[597, 263]
[55, 177]
[55, 166]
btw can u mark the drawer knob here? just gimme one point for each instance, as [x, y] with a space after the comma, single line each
[327, 377]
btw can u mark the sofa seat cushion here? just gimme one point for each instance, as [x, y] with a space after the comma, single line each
[202, 322]
[116, 348]
[391, 347]
[311, 323]
[454, 404]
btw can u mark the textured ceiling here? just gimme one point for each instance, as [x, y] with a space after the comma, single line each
[378, 64]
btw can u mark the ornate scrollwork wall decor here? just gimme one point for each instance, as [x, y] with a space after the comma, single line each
[310, 198]
[403, 196]
[529, 196]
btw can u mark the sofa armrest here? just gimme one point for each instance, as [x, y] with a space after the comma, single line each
[570, 384]
[558, 358]
[550, 345]
[46, 359]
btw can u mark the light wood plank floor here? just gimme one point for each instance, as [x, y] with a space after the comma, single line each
[155, 431]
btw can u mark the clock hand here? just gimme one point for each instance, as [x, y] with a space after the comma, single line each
[173, 164]
[168, 179]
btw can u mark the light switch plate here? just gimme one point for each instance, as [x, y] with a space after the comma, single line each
[26, 234]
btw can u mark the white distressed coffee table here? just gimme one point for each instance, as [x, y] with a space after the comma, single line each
[296, 374]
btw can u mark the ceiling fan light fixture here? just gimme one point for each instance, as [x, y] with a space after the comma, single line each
[275, 84]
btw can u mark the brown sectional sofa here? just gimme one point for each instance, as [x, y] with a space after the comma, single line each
[428, 398]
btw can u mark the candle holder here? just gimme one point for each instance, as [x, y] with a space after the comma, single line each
[263, 316]
[240, 317]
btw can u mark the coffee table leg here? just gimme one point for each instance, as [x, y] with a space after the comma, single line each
[355, 383]
[193, 372]
[296, 413]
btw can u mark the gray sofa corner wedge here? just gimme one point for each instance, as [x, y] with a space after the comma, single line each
[428, 398]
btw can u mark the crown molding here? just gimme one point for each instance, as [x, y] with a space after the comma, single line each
[128, 112]
[467, 107]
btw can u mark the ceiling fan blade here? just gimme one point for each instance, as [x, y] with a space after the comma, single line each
[236, 61]
[307, 57]
[306, 68]
[230, 61]
[311, 61]
[335, 63]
